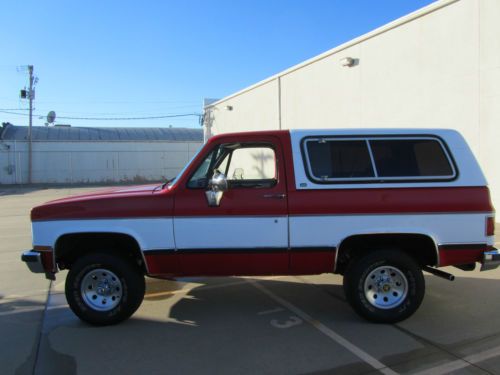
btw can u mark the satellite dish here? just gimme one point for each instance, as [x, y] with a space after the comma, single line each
[51, 117]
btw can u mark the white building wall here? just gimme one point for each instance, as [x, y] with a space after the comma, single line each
[489, 93]
[437, 67]
[94, 162]
[254, 110]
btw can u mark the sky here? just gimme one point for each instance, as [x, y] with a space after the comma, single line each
[129, 59]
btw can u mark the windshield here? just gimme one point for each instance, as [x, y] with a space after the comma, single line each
[174, 181]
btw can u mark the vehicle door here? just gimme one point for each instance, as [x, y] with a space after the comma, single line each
[239, 230]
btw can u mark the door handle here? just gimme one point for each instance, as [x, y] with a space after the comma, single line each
[275, 196]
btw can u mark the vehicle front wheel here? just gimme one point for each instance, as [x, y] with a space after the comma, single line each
[385, 286]
[104, 289]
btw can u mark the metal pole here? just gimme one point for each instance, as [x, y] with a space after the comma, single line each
[30, 151]
[207, 124]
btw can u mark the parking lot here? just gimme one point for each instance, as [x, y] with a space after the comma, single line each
[251, 325]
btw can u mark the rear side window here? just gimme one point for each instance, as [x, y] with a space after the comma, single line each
[410, 158]
[377, 159]
[339, 159]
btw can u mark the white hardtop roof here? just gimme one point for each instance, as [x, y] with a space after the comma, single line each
[469, 172]
[373, 131]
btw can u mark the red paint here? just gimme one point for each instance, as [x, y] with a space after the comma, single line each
[389, 201]
[450, 257]
[311, 262]
[225, 264]
[48, 261]
[237, 202]
[242, 263]
[216, 264]
[192, 202]
[162, 263]
[130, 202]
[490, 226]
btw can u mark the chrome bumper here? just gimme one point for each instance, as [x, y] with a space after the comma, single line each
[33, 260]
[491, 260]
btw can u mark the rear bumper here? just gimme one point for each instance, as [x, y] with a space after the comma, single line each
[33, 260]
[491, 260]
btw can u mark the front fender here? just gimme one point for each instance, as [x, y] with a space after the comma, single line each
[150, 233]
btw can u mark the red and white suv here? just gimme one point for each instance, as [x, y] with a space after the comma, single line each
[377, 206]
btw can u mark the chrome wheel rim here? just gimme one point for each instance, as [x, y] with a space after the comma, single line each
[386, 287]
[101, 289]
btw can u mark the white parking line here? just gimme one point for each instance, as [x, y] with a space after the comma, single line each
[461, 363]
[358, 352]
[267, 312]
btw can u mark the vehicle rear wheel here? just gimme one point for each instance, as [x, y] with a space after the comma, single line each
[385, 286]
[104, 289]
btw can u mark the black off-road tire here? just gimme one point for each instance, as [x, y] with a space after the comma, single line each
[371, 286]
[116, 278]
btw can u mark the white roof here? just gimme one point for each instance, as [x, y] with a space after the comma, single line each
[375, 131]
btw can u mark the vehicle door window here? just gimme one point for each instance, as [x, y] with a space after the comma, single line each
[250, 166]
[244, 165]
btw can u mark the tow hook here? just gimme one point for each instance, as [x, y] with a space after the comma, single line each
[439, 273]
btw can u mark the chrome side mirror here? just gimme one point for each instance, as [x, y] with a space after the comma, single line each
[216, 188]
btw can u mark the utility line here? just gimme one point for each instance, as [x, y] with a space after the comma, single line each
[130, 118]
[111, 118]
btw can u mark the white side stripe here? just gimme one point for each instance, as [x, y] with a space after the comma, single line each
[330, 230]
[150, 233]
[230, 232]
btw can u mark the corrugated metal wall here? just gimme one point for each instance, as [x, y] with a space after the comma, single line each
[94, 162]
